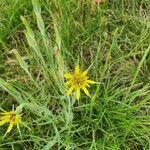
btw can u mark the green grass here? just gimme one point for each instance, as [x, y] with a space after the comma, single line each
[40, 41]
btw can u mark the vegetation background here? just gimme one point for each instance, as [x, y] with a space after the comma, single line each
[40, 41]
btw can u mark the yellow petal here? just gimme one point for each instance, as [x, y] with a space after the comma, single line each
[10, 127]
[3, 122]
[68, 75]
[78, 93]
[70, 90]
[86, 91]
[68, 82]
[91, 82]
[85, 73]
[87, 85]
[18, 119]
[4, 113]
[77, 69]
[4, 117]
[8, 113]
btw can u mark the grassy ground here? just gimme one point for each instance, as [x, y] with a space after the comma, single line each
[39, 42]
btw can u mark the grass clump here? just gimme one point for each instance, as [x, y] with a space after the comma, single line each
[49, 39]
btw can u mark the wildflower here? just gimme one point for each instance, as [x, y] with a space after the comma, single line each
[12, 118]
[77, 81]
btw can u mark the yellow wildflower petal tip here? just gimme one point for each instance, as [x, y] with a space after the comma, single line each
[67, 75]
[91, 82]
[86, 91]
[78, 93]
[70, 90]
[10, 127]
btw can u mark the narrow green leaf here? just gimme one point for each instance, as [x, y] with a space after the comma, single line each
[12, 91]
[22, 63]
[31, 38]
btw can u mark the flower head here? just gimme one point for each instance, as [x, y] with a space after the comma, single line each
[77, 81]
[12, 118]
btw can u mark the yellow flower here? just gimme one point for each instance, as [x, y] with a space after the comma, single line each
[12, 118]
[77, 81]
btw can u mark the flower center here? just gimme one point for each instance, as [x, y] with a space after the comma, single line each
[78, 80]
[12, 118]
